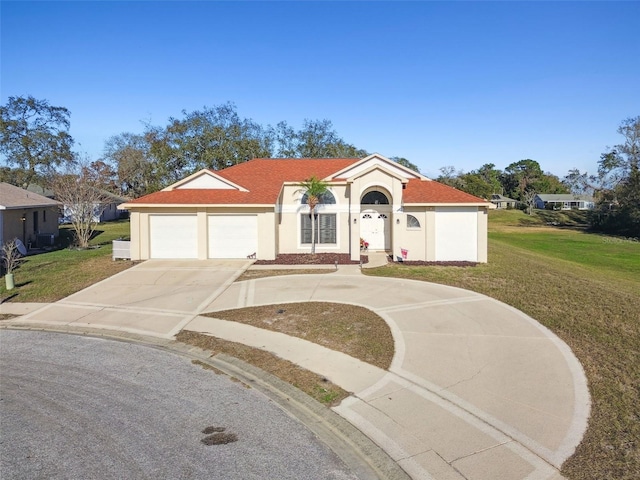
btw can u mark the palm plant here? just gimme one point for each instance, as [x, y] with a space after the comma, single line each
[314, 189]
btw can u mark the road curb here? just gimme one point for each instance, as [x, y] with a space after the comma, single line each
[365, 458]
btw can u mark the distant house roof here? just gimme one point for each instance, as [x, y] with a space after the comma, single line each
[563, 197]
[40, 190]
[497, 197]
[12, 197]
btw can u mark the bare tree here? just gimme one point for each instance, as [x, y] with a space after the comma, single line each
[529, 197]
[10, 255]
[81, 189]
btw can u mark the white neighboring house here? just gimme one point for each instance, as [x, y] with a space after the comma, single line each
[560, 201]
[256, 209]
[102, 212]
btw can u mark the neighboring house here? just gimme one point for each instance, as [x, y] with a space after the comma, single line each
[258, 208]
[102, 212]
[555, 201]
[27, 216]
[500, 201]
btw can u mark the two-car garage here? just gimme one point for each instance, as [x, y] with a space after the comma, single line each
[181, 236]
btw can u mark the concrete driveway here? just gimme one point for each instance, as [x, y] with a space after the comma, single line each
[153, 298]
[476, 389]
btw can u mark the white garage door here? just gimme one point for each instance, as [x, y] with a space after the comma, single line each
[233, 236]
[173, 236]
[456, 234]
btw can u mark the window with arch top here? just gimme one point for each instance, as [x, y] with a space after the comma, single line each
[326, 198]
[374, 198]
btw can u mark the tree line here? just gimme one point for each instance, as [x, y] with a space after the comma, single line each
[35, 144]
[36, 147]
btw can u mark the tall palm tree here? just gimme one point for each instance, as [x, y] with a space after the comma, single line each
[314, 189]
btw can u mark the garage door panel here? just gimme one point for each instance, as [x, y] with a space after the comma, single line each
[173, 236]
[233, 236]
[457, 234]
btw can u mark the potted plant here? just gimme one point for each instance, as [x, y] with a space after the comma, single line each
[11, 258]
[364, 245]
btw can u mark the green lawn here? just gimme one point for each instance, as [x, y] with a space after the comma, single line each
[50, 276]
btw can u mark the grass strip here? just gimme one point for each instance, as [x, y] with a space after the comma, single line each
[310, 383]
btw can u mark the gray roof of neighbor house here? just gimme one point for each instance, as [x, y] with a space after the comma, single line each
[12, 197]
[563, 197]
[496, 197]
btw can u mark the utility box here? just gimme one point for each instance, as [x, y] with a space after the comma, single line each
[45, 240]
[121, 249]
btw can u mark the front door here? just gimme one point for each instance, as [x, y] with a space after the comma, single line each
[374, 229]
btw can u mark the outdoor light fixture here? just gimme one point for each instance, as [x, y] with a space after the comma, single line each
[397, 221]
[355, 220]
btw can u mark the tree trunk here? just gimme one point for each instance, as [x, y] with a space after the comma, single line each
[313, 232]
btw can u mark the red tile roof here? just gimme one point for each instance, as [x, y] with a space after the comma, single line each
[420, 191]
[263, 178]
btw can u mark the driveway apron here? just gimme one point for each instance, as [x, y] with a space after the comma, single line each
[157, 297]
[476, 390]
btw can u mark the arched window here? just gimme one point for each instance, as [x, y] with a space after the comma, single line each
[326, 198]
[374, 198]
[412, 222]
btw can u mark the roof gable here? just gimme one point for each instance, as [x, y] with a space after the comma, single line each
[377, 160]
[205, 179]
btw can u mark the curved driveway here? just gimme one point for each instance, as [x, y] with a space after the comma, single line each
[476, 390]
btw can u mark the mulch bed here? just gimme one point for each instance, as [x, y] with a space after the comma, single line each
[316, 259]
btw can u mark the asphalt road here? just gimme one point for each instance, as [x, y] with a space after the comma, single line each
[77, 407]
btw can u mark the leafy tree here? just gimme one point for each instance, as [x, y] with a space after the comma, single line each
[405, 163]
[34, 136]
[314, 189]
[136, 172]
[214, 138]
[316, 139]
[82, 190]
[449, 176]
[618, 207]
[520, 176]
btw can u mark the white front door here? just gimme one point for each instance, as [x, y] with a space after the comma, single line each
[374, 229]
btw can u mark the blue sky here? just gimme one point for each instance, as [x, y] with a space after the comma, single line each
[440, 83]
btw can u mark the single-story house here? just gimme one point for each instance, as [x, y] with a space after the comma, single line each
[500, 201]
[102, 211]
[258, 209]
[27, 216]
[556, 201]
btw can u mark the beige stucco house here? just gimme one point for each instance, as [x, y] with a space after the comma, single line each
[258, 208]
[27, 216]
